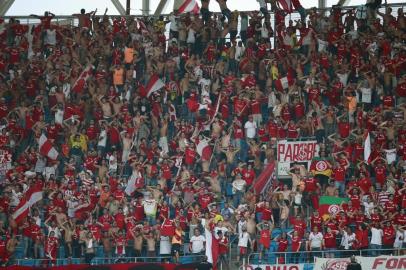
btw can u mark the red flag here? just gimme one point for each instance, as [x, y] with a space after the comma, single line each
[264, 178]
[81, 81]
[204, 150]
[154, 84]
[46, 148]
[212, 248]
[367, 148]
[189, 6]
[286, 5]
[32, 196]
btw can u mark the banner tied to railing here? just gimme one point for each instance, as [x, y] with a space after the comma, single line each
[369, 263]
[275, 267]
[289, 153]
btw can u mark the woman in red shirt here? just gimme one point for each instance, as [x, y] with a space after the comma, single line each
[282, 247]
[330, 242]
[296, 246]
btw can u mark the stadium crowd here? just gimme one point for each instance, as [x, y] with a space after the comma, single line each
[138, 141]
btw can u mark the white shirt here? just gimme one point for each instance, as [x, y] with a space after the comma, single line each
[368, 207]
[250, 129]
[149, 207]
[347, 240]
[59, 116]
[366, 95]
[390, 155]
[102, 138]
[197, 243]
[239, 52]
[164, 245]
[50, 37]
[174, 24]
[243, 239]
[222, 229]
[239, 184]
[315, 239]
[191, 36]
[376, 236]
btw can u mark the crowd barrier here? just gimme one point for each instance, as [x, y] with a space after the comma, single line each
[187, 259]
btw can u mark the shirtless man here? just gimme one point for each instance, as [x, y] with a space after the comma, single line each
[138, 241]
[151, 239]
[107, 247]
[297, 172]
[156, 192]
[230, 153]
[217, 127]
[127, 142]
[106, 107]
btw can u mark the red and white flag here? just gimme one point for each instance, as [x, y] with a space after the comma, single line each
[189, 6]
[284, 83]
[212, 248]
[32, 196]
[81, 81]
[46, 148]
[154, 84]
[367, 148]
[286, 5]
[142, 27]
[133, 183]
[204, 150]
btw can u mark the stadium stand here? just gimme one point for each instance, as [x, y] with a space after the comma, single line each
[155, 138]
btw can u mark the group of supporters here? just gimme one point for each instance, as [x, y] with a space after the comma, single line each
[119, 139]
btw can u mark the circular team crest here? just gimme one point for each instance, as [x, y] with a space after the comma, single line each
[335, 265]
[321, 166]
[333, 209]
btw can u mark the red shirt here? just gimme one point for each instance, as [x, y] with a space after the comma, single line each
[310, 184]
[344, 129]
[296, 241]
[282, 245]
[120, 220]
[190, 156]
[330, 240]
[316, 222]
[299, 110]
[380, 174]
[362, 238]
[339, 174]
[248, 176]
[205, 200]
[265, 238]
[266, 214]
[223, 245]
[388, 235]
[255, 107]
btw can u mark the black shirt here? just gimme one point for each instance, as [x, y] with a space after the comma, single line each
[354, 266]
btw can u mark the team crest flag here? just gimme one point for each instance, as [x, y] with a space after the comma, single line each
[330, 205]
[321, 166]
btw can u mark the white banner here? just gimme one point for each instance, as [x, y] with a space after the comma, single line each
[276, 266]
[294, 152]
[370, 263]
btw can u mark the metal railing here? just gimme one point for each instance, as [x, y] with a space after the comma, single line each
[307, 256]
[106, 260]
